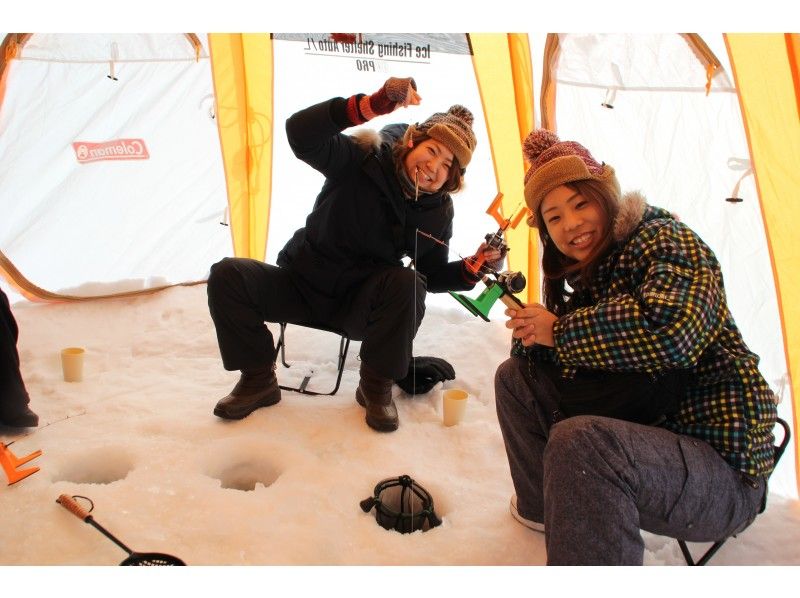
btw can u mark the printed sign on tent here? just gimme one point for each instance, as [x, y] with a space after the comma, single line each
[118, 149]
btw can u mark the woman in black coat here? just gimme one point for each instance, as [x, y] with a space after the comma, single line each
[343, 269]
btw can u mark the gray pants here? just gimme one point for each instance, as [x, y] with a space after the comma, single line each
[596, 482]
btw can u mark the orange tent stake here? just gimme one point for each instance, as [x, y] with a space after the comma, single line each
[10, 462]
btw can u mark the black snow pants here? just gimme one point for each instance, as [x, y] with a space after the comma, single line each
[13, 395]
[384, 312]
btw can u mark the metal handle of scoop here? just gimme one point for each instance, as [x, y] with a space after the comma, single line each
[134, 558]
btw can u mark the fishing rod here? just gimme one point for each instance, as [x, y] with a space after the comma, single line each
[499, 284]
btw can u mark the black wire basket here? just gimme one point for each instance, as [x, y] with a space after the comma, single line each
[403, 505]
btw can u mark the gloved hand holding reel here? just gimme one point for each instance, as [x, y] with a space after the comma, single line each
[499, 285]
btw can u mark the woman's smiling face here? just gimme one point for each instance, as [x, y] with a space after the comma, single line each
[428, 165]
[576, 225]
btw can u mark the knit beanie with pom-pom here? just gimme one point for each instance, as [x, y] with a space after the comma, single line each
[554, 162]
[453, 129]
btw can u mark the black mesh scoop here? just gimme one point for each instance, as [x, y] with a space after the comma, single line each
[134, 558]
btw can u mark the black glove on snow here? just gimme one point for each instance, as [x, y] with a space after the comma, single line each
[424, 373]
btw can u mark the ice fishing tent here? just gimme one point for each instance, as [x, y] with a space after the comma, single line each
[111, 172]
[131, 162]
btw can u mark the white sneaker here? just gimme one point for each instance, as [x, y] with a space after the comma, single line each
[529, 523]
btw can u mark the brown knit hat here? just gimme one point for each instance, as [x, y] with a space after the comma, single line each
[453, 129]
[554, 162]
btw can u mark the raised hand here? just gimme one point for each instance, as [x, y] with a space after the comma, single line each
[394, 93]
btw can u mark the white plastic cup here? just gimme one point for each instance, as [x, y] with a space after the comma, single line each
[72, 363]
[454, 405]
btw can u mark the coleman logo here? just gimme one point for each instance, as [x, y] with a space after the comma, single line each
[119, 149]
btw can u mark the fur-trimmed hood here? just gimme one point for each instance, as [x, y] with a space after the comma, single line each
[631, 211]
[369, 140]
[372, 141]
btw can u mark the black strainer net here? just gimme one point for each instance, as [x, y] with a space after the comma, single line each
[134, 558]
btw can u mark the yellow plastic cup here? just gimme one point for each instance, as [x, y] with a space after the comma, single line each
[454, 405]
[72, 363]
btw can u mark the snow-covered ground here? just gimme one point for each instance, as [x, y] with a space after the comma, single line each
[283, 486]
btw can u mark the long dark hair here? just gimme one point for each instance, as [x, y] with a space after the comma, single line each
[557, 267]
[455, 178]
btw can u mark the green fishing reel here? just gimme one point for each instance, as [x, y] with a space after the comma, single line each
[502, 287]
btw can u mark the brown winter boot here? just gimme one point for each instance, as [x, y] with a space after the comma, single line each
[256, 388]
[375, 393]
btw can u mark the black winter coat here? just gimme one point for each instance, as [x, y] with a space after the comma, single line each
[361, 221]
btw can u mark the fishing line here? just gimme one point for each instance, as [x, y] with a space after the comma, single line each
[485, 266]
[414, 299]
[48, 424]
[432, 238]
[414, 373]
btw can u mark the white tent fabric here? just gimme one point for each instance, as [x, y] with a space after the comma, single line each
[77, 219]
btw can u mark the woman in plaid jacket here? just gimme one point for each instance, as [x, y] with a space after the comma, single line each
[634, 306]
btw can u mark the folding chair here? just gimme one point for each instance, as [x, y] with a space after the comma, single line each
[344, 345]
[718, 544]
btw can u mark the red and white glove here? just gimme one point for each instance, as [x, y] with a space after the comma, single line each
[394, 93]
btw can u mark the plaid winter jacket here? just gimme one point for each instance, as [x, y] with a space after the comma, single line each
[657, 303]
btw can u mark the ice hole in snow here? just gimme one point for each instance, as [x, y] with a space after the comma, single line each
[244, 475]
[99, 466]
